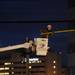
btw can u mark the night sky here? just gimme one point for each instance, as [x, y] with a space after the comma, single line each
[26, 10]
[32, 10]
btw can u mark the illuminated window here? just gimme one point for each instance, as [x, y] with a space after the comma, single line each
[1, 68]
[7, 63]
[6, 68]
[5, 73]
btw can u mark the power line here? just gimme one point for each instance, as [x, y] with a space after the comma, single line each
[40, 21]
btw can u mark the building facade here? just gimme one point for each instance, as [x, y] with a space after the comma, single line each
[38, 65]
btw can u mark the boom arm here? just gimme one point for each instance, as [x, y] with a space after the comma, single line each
[62, 31]
[25, 45]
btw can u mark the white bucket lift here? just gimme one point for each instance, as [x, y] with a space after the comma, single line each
[41, 46]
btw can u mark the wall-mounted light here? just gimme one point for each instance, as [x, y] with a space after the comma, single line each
[54, 72]
[54, 61]
[54, 66]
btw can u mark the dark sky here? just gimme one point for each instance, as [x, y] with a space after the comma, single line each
[32, 9]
